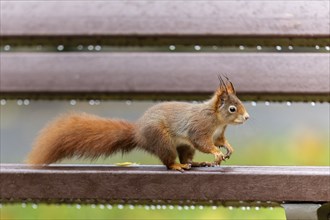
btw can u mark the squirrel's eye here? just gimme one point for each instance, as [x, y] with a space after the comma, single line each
[232, 109]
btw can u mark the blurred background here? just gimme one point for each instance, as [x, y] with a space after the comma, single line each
[278, 134]
[115, 59]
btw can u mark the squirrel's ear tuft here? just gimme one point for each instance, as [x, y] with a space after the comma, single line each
[230, 86]
[219, 97]
[221, 90]
[222, 87]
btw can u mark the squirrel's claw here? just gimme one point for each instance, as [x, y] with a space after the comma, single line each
[229, 151]
[219, 157]
[179, 167]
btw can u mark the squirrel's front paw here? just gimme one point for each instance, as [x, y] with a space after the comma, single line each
[229, 150]
[219, 157]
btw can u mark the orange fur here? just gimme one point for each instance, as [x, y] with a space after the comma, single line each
[82, 135]
[167, 130]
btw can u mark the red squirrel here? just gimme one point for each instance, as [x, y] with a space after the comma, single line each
[167, 130]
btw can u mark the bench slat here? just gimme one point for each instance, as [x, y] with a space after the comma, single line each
[226, 183]
[171, 18]
[283, 73]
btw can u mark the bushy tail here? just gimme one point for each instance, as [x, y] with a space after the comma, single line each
[82, 135]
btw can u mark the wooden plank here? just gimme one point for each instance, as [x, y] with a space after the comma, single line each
[252, 73]
[171, 18]
[225, 183]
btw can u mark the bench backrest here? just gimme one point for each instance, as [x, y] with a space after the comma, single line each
[270, 50]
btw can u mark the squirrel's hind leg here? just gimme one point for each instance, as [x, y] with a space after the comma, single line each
[186, 153]
[168, 157]
[159, 143]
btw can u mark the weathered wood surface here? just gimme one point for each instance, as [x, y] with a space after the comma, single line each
[172, 18]
[258, 73]
[226, 183]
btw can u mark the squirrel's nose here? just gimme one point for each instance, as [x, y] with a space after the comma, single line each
[246, 116]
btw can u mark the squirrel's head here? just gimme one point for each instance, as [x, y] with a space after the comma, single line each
[229, 108]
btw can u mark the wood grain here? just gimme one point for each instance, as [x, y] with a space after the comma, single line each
[252, 73]
[226, 183]
[171, 18]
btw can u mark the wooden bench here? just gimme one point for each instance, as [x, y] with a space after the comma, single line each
[149, 28]
[167, 50]
[226, 185]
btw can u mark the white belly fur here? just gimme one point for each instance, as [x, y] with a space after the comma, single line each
[217, 133]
